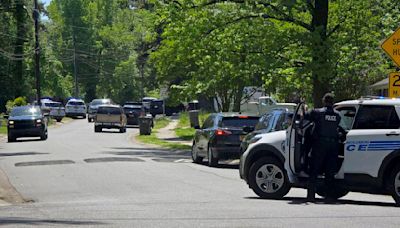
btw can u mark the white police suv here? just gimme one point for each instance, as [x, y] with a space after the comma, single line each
[368, 161]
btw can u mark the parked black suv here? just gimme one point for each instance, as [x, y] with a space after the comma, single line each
[26, 121]
[220, 136]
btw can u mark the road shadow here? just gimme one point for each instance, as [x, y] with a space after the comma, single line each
[303, 201]
[17, 221]
[20, 154]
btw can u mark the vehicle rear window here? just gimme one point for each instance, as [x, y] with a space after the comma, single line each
[109, 110]
[100, 101]
[53, 104]
[76, 103]
[239, 122]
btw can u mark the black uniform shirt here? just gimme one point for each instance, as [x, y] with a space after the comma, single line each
[326, 122]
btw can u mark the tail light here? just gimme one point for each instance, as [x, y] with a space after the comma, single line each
[243, 117]
[220, 132]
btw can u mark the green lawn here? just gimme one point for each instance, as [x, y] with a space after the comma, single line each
[183, 130]
[152, 139]
[3, 125]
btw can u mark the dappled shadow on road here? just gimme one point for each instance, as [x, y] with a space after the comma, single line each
[20, 154]
[303, 201]
[17, 221]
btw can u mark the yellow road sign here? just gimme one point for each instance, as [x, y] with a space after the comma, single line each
[394, 84]
[392, 46]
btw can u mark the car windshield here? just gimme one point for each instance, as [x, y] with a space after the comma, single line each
[109, 110]
[25, 111]
[76, 103]
[100, 101]
[239, 121]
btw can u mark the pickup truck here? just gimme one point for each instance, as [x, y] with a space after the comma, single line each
[265, 104]
[110, 117]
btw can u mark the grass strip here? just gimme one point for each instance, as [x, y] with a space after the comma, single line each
[183, 129]
[152, 139]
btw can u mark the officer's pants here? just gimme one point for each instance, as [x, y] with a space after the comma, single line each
[324, 156]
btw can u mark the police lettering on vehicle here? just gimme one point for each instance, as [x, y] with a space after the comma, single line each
[373, 146]
[330, 118]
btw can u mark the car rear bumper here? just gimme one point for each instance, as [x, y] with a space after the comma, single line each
[75, 114]
[226, 151]
[108, 125]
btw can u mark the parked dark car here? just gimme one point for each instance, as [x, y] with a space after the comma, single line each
[276, 120]
[220, 137]
[133, 112]
[157, 107]
[26, 121]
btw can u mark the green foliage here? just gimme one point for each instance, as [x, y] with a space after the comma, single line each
[19, 101]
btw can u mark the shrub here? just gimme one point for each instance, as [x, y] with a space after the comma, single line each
[19, 101]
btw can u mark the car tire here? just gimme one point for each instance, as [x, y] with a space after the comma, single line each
[394, 185]
[44, 135]
[11, 138]
[196, 159]
[212, 161]
[97, 129]
[336, 194]
[59, 120]
[277, 184]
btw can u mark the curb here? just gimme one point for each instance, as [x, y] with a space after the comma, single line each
[8, 194]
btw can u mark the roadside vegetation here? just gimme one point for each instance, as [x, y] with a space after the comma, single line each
[152, 139]
[3, 125]
[183, 130]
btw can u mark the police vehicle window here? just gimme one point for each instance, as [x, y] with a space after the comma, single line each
[263, 122]
[283, 118]
[377, 117]
[347, 115]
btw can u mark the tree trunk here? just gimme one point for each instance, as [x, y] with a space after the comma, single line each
[237, 99]
[320, 51]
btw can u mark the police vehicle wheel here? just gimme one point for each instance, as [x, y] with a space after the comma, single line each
[212, 161]
[394, 185]
[268, 178]
[196, 159]
[336, 194]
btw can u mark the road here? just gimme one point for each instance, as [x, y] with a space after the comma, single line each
[78, 177]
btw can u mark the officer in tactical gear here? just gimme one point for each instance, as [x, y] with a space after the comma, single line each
[325, 144]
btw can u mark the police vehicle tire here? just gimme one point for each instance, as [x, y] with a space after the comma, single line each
[337, 194]
[212, 161]
[196, 159]
[277, 181]
[394, 185]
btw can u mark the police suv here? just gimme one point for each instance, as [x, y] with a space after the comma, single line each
[368, 161]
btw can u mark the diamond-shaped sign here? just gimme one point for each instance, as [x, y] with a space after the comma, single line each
[392, 47]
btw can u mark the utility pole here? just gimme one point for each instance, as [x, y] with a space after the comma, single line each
[75, 69]
[37, 51]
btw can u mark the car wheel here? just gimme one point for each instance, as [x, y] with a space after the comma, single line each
[394, 185]
[212, 161]
[58, 120]
[337, 193]
[44, 135]
[268, 178]
[11, 138]
[97, 129]
[196, 159]
[121, 130]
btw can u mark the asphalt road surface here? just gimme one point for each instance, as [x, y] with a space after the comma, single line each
[81, 178]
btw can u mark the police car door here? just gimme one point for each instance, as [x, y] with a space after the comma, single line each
[295, 138]
[374, 135]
